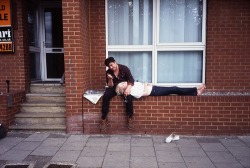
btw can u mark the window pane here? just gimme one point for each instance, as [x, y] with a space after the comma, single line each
[180, 21]
[179, 67]
[35, 72]
[55, 65]
[130, 22]
[32, 25]
[139, 63]
[53, 23]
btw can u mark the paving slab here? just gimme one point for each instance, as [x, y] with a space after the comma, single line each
[45, 151]
[88, 162]
[66, 156]
[240, 151]
[229, 142]
[144, 162]
[169, 156]
[141, 141]
[94, 151]
[198, 162]
[221, 157]
[192, 151]
[125, 151]
[15, 155]
[37, 137]
[142, 151]
[56, 142]
[118, 147]
[228, 165]
[116, 159]
[73, 145]
[171, 165]
[213, 147]
[27, 145]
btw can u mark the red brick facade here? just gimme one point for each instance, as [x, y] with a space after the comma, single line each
[9, 108]
[205, 115]
[227, 58]
[77, 59]
[227, 69]
[15, 67]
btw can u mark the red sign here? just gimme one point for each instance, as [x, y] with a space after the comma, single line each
[5, 14]
[6, 31]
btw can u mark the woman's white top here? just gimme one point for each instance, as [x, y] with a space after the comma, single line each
[137, 89]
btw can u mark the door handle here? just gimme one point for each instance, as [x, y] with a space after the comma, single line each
[57, 50]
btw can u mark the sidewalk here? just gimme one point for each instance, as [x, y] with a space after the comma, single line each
[40, 150]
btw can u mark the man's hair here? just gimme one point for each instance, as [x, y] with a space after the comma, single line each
[108, 60]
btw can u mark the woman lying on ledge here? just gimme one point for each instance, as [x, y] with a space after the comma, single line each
[145, 89]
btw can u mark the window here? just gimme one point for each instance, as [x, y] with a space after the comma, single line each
[34, 41]
[161, 41]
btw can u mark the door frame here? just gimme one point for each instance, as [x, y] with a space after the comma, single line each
[44, 49]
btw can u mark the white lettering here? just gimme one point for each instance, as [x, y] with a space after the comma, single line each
[4, 33]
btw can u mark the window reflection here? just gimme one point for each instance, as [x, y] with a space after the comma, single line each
[32, 25]
[53, 23]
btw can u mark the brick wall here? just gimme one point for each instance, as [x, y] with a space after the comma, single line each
[14, 66]
[77, 59]
[7, 112]
[191, 115]
[228, 35]
[227, 69]
[98, 43]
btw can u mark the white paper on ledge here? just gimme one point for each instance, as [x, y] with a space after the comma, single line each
[93, 95]
[93, 98]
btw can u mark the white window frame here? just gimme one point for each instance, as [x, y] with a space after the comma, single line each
[157, 46]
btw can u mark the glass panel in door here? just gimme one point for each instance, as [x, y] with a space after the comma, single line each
[54, 53]
[55, 65]
[34, 41]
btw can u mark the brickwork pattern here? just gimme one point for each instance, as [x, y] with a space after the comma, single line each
[227, 69]
[14, 66]
[7, 113]
[228, 35]
[202, 115]
[98, 43]
[76, 58]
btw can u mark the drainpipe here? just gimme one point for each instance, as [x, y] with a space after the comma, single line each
[8, 86]
[9, 97]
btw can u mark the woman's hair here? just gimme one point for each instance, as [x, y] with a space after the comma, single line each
[119, 90]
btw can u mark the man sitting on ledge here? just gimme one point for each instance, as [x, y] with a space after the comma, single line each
[115, 74]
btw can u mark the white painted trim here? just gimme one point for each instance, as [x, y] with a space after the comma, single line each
[156, 46]
[45, 50]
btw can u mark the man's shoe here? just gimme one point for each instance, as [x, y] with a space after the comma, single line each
[169, 138]
[130, 124]
[172, 137]
[104, 125]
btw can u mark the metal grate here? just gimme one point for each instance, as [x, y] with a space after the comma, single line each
[59, 166]
[16, 166]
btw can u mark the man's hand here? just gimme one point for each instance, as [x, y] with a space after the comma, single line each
[128, 90]
[110, 80]
[109, 76]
